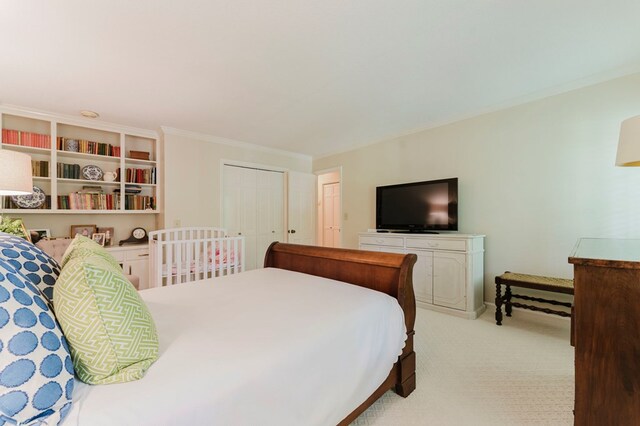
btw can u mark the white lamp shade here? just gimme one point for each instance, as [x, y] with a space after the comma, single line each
[15, 173]
[629, 143]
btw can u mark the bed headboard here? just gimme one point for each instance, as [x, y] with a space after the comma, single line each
[386, 272]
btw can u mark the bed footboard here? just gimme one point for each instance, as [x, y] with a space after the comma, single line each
[386, 272]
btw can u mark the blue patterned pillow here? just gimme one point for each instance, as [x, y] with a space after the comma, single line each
[35, 264]
[36, 371]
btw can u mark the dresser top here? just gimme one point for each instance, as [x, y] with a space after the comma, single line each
[441, 234]
[609, 252]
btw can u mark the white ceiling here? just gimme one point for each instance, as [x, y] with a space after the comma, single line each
[312, 77]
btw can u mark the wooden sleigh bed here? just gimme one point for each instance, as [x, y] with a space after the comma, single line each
[196, 375]
[385, 272]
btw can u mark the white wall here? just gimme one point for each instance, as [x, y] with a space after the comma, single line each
[533, 178]
[192, 173]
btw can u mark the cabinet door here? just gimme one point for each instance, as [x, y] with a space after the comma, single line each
[139, 267]
[449, 280]
[423, 276]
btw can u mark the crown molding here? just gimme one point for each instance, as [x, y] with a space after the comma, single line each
[231, 142]
[91, 123]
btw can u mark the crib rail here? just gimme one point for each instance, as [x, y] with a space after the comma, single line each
[190, 254]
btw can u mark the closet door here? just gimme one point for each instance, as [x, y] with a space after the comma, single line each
[302, 208]
[239, 209]
[253, 206]
[270, 211]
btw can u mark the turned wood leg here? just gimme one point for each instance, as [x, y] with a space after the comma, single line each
[498, 304]
[507, 306]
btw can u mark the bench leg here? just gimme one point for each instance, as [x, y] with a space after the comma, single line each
[498, 304]
[507, 306]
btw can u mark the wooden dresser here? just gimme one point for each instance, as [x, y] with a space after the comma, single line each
[607, 331]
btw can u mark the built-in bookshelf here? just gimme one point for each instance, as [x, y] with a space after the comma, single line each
[84, 166]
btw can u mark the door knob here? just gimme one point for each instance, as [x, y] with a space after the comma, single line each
[293, 231]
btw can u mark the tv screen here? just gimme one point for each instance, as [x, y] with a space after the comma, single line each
[418, 206]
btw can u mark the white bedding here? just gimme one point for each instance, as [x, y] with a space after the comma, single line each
[264, 347]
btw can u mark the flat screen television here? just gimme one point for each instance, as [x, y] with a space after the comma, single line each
[428, 206]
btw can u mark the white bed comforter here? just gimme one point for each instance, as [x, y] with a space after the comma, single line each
[264, 347]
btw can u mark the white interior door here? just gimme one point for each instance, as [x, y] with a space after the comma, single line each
[240, 208]
[270, 211]
[301, 208]
[331, 214]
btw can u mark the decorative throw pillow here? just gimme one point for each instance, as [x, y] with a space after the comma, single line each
[110, 331]
[82, 246]
[35, 264]
[36, 372]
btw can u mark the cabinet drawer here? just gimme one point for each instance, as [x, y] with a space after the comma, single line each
[436, 244]
[382, 241]
[117, 254]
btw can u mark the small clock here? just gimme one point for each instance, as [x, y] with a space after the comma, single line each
[138, 236]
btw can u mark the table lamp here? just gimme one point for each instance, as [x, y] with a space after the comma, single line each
[629, 143]
[15, 173]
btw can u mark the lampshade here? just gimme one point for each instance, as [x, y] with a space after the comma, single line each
[629, 143]
[15, 173]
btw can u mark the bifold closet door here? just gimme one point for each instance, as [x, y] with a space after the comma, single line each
[253, 206]
[270, 211]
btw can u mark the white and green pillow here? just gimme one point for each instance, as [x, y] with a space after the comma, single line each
[110, 331]
[82, 246]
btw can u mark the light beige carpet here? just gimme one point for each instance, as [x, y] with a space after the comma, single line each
[472, 372]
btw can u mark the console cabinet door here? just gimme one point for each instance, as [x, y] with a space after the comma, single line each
[449, 279]
[423, 276]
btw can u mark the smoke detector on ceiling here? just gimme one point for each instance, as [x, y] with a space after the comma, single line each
[89, 114]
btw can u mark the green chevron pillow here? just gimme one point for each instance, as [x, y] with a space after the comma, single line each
[110, 331]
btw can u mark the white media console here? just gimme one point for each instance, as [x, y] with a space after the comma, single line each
[449, 273]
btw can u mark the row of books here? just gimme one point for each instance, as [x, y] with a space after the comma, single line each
[140, 175]
[87, 147]
[69, 171]
[40, 168]
[30, 139]
[139, 202]
[8, 204]
[92, 200]
[82, 200]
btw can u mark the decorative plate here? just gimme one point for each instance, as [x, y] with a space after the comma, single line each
[30, 201]
[92, 172]
[72, 145]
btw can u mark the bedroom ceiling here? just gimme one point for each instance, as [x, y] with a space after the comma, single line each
[313, 77]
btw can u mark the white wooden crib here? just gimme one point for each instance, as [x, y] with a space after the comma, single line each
[181, 255]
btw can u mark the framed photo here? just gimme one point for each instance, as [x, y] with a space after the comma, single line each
[108, 234]
[85, 230]
[99, 237]
[14, 226]
[39, 234]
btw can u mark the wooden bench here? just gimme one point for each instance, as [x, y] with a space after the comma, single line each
[512, 279]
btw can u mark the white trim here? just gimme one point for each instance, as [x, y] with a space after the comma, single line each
[77, 121]
[230, 142]
[510, 103]
[455, 312]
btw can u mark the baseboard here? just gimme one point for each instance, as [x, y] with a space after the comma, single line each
[462, 314]
[526, 312]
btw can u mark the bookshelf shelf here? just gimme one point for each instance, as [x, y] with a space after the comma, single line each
[61, 147]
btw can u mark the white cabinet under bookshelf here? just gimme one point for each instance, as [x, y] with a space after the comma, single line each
[83, 166]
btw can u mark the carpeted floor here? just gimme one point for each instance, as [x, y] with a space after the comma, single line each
[472, 372]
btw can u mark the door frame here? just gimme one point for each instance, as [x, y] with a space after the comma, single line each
[320, 210]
